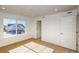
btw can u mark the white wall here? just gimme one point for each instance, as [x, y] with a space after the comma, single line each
[59, 29]
[30, 30]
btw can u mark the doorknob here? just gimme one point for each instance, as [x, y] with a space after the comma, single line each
[61, 33]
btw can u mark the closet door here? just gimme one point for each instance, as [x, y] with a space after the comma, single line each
[68, 32]
[51, 29]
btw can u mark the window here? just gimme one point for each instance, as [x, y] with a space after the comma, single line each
[13, 27]
[20, 26]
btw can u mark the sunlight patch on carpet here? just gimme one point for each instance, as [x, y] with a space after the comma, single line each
[31, 47]
[39, 48]
[21, 49]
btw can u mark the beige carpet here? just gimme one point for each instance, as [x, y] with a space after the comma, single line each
[21, 49]
[32, 47]
[39, 48]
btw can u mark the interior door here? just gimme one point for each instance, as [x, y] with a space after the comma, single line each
[38, 29]
[68, 32]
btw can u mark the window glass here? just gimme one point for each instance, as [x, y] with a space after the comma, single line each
[21, 26]
[9, 27]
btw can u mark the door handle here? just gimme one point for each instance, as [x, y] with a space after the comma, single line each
[61, 33]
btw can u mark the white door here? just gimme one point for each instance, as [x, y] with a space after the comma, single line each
[68, 32]
[51, 29]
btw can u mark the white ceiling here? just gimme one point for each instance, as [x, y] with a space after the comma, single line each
[35, 10]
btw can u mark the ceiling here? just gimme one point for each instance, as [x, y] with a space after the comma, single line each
[35, 10]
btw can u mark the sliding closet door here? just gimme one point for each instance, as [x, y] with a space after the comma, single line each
[68, 32]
